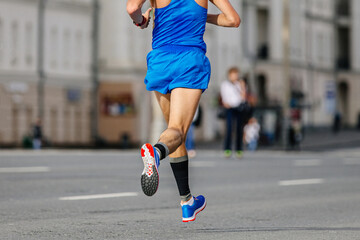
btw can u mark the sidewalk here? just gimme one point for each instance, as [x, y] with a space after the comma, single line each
[322, 140]
[314, 140]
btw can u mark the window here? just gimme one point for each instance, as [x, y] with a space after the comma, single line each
[79, 126]
[320, 5]
[79, 49]
[67, 124]
[329, 52]
[263, 34]
[67, 48]
[54, 124]
[343, 48]
[15, 124]
[28, 44]
[343, 8]
[14, 44]
[87, 57]
[29, 116]
[131, 45]
[320, 48]
[54, 47]
[1, 42]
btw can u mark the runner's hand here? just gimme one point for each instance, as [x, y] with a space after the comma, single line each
[147, 17]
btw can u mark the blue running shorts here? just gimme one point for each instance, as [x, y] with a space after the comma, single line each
[171, 67]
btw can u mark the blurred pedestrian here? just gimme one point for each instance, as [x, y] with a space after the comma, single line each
[337, 122]
[251, 134]
[295, 135]
[178, 72]
[233, 95]
[37, 135]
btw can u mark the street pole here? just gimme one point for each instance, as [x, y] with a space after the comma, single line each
[95, 70]
[40, 62]
[286, 73]
[249, 7]
[335, 55]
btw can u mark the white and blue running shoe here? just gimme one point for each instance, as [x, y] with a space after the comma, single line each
[150, 174]
[189, 212]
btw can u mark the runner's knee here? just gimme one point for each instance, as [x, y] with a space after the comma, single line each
[180, 133]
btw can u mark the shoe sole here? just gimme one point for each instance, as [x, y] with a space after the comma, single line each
[197, 211]
[150, 175]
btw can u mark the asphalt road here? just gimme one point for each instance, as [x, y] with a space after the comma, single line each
[97, 195]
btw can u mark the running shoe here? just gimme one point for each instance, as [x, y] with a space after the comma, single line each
[189, 212]
[239, 154]
[227, 153]
[150, 175]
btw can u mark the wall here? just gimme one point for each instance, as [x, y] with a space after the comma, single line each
[67, 66]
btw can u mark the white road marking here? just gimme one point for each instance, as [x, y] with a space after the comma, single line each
[67, 153]
[352, 161]
[25, 170]
[307, 162]
[99, 196]
[202, 164]
[301, 182]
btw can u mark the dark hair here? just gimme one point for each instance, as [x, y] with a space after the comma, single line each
[233, 70]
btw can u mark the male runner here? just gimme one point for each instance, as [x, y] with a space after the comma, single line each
[178, 73]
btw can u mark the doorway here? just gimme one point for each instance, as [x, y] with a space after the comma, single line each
[343, 101]
[262, 93]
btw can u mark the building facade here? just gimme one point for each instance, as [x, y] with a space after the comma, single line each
[324, 67]
[324, 56]
[66, 56]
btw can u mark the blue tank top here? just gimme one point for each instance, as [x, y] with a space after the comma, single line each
[180, 23]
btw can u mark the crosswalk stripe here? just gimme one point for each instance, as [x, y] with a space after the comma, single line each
[202, 164]
[24, 170]
[307, 162]
[352, 161]
[99, 196]
[301, 182]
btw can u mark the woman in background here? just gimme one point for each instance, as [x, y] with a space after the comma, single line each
[233, 95]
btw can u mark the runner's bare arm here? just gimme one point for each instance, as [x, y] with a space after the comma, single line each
[133, 7]
[228, 16]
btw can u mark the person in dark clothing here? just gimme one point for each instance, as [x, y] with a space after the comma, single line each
[37, 135]
[337, 123]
